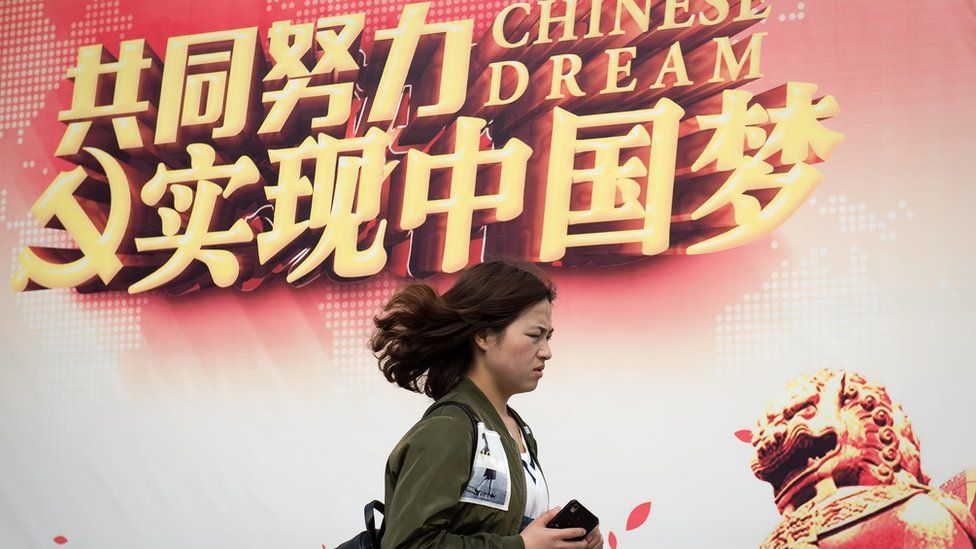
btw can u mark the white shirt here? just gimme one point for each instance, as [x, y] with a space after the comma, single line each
[536, 490]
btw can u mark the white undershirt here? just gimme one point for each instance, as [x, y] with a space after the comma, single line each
[536, 491]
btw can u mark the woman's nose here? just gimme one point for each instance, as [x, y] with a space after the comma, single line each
[545, 353]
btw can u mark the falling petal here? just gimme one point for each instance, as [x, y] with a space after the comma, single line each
[612, 539]
[60, 540]
[745, 435]
[638, 515]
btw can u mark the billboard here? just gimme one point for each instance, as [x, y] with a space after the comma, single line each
[206, 204]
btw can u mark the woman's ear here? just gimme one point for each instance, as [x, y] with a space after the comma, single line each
[484, 338]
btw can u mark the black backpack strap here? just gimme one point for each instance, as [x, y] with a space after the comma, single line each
[370, 516]
[471, 416]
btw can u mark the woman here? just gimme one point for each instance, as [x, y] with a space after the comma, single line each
[484, 340]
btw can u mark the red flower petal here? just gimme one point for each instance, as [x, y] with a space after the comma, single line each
[613, 540]
[60, 540]
[745, 435]
[638, 515]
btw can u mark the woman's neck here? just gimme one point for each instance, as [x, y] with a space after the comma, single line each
[497, 397]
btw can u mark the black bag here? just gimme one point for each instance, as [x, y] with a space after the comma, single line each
[370, 537]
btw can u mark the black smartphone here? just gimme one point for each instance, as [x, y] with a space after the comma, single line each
[574, 515]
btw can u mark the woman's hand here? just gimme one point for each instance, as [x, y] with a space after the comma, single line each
[595, 539]
[537, 536]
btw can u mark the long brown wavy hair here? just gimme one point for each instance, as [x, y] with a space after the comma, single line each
[424, 341]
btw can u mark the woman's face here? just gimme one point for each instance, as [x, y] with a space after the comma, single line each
[517, 355]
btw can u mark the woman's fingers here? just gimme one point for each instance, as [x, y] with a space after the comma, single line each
[567, 534]
[594, 540]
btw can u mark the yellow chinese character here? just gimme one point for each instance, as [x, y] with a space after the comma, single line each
[194, 187]
[461, 201]
[735, 129]
[99, 76]
[98, 247]
[333, 74]
[752, 220]
[208, 80]
[616, 187]
[346, 192]
[451, 68]
[798, 129]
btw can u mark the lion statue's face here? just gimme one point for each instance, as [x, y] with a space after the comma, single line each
[832, 424]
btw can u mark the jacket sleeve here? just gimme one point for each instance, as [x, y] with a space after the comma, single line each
[431, 472]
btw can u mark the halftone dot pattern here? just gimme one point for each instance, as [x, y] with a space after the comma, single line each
[805, 310]
[349, 310]
[858, 218]
[101, 17]
[280, 4]
[797, 13]
[87, 333]
[34, 59]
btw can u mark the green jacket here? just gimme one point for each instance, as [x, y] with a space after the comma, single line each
[436, 499]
